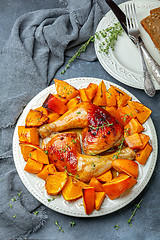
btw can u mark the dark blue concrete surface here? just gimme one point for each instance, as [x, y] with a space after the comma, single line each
[146, 223]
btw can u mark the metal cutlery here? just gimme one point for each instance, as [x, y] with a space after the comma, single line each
[134, 34]
[154, 67]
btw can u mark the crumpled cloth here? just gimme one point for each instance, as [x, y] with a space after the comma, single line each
[33, 53]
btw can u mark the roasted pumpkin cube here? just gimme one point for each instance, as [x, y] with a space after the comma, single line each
[64, 100]
[91, 90]
[127, 166]
[35, 119]
[145, 139]
[29, 135]
[134, 141]
[72, 103]
[83, 95]
[56, 182]
[88, 195]
[39, 155]
[111, 97]
[47, 169]
[143, 154]
[96, 184]
[65, 90]
[134, 126]
[118, 185]
[99, 197]
[53, 104]
[100, 97]
[42, 110]
[122, 97]
[111, 110]
[72, 190]
[142, 112]
[26, 148]
[105, 177]
[33, 166]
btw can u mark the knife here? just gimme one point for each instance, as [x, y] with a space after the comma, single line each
[155, 68]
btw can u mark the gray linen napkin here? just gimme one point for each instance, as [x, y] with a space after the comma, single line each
[28, 62]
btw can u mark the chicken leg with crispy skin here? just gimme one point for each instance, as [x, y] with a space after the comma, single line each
[64, 151]
[101, 130]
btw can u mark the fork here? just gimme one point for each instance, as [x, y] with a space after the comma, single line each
[134, 33]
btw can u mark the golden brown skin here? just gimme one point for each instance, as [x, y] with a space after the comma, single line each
[92, 166]
[74, 118]
[64, 151]
[101, 131]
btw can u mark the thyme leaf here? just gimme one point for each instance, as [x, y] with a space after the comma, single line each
[117, 227]
[72, 224]
[36, 212]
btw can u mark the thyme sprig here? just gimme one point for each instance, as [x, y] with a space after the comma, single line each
[102, 126]
[110, 36]
[78, 53]
[131, 217]
[115, 156]
[59, 227]
[70, 174]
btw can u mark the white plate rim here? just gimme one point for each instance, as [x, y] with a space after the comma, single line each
[121, 73]
[65, 210]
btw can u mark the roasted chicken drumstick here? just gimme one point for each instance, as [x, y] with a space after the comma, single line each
[101, 130]
[64, 151]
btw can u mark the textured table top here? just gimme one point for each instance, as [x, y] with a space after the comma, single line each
[146, 223]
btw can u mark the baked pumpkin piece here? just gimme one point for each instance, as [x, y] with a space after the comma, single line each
[96, 184]
[47, 169]
[54, 104]
[141, 112]
[134, 126]
[99, 197]
[35, 119]
[83, 95]
[29, 135]
[26, 148]
[39, 155]
[65, 90]
[91, 90]
[64, 100]
[73, 189]
[134, 141]
[143, 154]
[100, 97]
[122, 97]
[55, 183]
[118, 185]
[88, 195]
[106, 177]
[111, 97]
[145, 139]
[42, 110]
[127, 166]
[33, 166]
[72, 103]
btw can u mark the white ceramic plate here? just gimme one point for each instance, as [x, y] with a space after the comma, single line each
[124, 62]
[35, 185]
